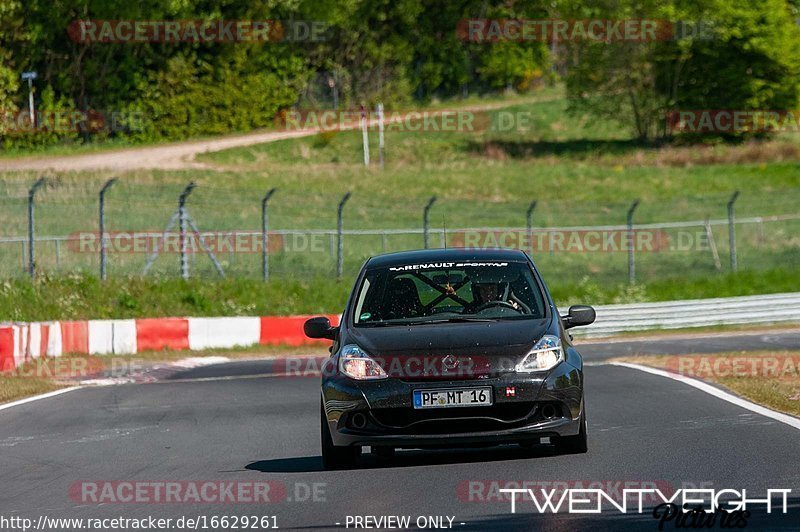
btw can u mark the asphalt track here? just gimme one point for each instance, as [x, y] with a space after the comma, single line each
[642, 428]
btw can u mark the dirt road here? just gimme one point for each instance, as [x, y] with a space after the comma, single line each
[180, 155]
[173, 156]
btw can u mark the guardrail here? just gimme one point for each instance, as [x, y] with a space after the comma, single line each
[760, 309]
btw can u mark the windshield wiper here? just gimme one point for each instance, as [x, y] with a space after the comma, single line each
[456, 319]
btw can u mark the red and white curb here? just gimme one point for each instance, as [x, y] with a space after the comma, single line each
[23, 342]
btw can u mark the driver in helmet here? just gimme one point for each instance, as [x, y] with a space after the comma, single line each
[485, 292]
[487, 288]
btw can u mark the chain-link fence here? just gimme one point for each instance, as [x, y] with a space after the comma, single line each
[222, 231]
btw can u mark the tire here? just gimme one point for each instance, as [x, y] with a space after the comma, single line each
[334, 457]
[575, 444]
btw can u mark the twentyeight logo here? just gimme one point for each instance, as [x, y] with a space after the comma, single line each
[594, 501]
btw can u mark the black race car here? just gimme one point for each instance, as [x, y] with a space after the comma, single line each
[450, 347]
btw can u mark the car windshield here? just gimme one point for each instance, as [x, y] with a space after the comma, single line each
[440, 292]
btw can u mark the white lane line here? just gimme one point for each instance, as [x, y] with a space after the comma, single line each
[196, 362]
[158, 372]
[716, 392]
[111, 381]
[38, 397]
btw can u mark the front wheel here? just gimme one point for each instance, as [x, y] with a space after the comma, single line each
[334, 457]
[575, 444]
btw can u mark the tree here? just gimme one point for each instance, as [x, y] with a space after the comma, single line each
[10, 32]
[748, 58]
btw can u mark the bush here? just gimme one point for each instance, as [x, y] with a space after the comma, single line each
[749, 60]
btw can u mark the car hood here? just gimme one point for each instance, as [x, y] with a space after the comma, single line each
[450, 350]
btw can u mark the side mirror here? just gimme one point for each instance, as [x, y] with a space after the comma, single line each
[319, 327]
[579, 315]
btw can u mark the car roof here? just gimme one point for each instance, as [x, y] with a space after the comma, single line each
[445, 255]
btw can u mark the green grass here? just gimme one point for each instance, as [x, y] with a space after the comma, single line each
[13, 388]
[85, 297]
[779, 392]
[580, 170]
[65, 147]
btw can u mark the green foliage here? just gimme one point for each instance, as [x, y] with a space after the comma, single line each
[755, 52]
[192, 97]
[394, 51]
[745, 56]
[512, 66]
[388, 50]
[10, 22]
[53, 113]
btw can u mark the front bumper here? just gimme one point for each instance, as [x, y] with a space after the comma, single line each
[381, 412]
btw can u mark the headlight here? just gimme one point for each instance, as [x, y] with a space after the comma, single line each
[358, 365]
[545, 354]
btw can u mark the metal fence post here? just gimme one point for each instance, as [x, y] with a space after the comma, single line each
[102, 223]
[340, 242]
[732, 232]
[381, 146]
[182, 224]
[31, 223]
[264, 236]
[631, 259]
[365, 135]
[529, 223]
[425, 220]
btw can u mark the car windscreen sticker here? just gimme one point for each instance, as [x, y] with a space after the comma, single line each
[446, 265]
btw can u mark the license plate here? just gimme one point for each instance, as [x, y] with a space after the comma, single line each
[449, 397]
